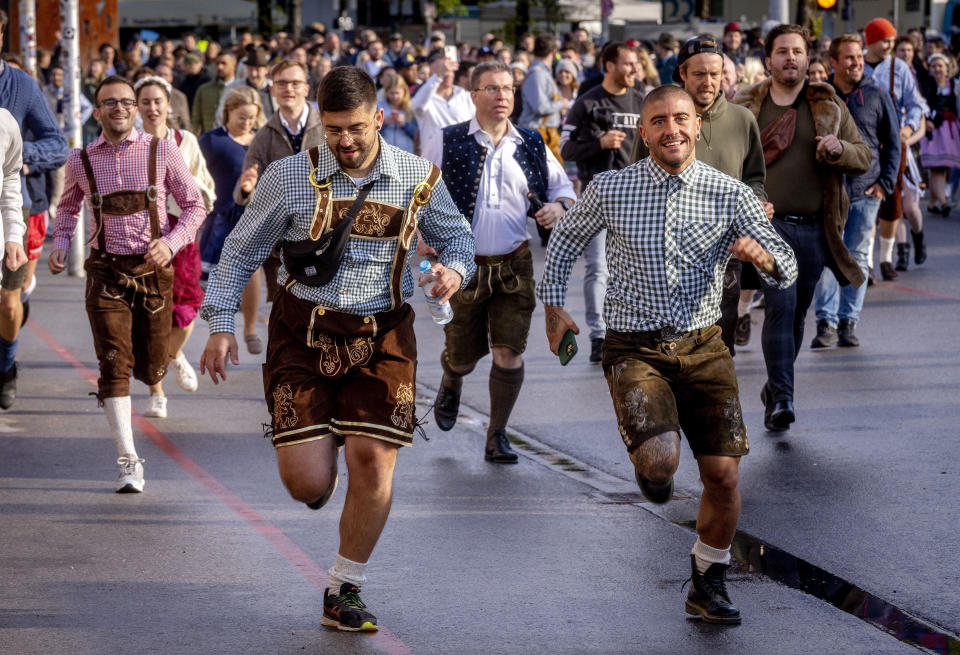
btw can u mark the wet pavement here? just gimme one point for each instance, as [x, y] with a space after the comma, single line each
[848, 519]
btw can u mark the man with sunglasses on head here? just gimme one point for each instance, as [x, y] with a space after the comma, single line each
[341, 355]
[493, 169]
[126, 175]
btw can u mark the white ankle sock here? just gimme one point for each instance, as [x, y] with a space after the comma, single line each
[743, 306]
[345, 570]
[706, 555]
[118, 418]
[886, 249]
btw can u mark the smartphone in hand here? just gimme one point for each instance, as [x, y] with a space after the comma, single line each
[568, 347]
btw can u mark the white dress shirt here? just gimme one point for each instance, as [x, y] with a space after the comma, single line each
[500, 217]
[11, 201]
[433, 113]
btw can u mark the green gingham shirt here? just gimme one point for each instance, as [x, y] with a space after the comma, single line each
[282, 208]
[668, 239]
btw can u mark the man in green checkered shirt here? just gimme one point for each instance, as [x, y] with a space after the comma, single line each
[672, 224]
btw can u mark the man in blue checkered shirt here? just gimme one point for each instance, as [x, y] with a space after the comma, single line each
[672, 224]
[341, 354]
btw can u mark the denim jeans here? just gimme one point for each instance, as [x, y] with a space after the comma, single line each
[834, 302]
[787, 308]
[595, 284]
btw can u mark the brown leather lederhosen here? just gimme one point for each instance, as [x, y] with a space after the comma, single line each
[333, 373]
[128, 300]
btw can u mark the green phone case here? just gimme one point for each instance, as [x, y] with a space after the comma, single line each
[568, 347]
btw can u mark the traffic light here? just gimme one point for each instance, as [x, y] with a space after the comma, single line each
[827, 5]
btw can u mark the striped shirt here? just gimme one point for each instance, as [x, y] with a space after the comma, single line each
[282, 208]
[121, 167]
[668, 239]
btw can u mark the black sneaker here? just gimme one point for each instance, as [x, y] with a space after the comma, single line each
[596, 351]
[741, 335]
[8, 387]
[346, 611]
[446, 407]
[826, 335]
[708, 596]
[846, 337]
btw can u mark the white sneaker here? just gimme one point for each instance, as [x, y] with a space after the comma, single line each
[157, 407]
[130, 478]
[186, 376]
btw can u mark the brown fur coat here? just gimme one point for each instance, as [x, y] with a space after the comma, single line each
[830, 116]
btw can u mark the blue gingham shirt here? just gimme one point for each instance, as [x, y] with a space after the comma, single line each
[668, 239]
[282, 208]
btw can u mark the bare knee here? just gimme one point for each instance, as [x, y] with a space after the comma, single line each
[309, 470]
[370, 461]
[720, 475]
[506, 357]
[658, 457]
[9, 303]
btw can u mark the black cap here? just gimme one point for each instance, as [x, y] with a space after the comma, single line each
[698, 45]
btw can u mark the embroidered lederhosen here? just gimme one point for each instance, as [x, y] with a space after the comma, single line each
[330, 372]
[127, 299]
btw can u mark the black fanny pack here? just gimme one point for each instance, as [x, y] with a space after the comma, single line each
[314, 262]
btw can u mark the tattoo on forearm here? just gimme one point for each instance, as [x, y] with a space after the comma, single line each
[553, 321]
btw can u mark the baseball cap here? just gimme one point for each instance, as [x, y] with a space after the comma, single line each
[731, 27]
[698, 45]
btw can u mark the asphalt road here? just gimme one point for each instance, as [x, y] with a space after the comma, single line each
[558, 554]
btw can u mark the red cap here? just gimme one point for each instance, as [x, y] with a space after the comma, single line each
[731, 27]
[879, 29]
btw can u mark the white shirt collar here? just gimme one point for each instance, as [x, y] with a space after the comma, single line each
[512, 132]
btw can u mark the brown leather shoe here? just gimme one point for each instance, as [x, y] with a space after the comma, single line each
[888, 271]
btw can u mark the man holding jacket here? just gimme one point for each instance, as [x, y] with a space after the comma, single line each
[810, 142]
[872, 109]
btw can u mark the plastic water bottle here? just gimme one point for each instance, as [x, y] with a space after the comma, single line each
[441, 314]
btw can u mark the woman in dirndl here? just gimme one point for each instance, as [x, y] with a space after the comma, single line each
[940, 151]
[153, 104]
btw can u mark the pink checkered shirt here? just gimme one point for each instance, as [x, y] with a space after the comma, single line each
[125, 167]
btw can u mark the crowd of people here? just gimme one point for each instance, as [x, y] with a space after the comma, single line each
[655, 161]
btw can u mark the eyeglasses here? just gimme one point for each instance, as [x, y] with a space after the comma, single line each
[494, 90]
[291, 84]
[111, 103]
[335, 133]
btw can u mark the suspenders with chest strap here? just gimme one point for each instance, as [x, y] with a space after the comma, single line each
[125, 201]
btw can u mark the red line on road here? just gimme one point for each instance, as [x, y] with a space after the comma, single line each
[932, 294]
[385, 640]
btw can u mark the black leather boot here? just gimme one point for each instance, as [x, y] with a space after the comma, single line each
[919, 247]
[8, 387]
[708, 597]
[498, 448]
[903, 256]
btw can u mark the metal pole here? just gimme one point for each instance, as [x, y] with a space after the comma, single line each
[69, 27]
[896, 14]
[28, 36]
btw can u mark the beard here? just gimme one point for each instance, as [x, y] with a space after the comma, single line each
[789, 77]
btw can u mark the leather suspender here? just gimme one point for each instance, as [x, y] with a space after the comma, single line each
[96, 199]
[152, 190]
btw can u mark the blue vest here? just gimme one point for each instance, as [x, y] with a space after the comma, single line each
[464, 156]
